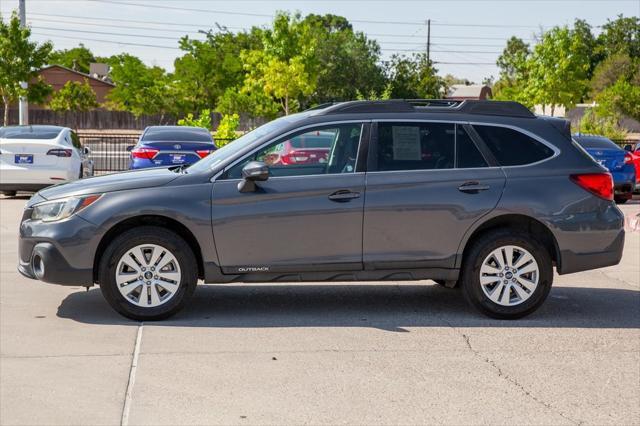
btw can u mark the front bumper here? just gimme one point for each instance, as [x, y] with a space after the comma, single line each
[58, 252]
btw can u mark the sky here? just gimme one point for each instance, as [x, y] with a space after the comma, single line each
[467, 36]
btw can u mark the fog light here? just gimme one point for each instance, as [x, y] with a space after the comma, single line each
[38, 266]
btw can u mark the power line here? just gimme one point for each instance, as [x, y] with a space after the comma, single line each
[107, 41]
[107, 33]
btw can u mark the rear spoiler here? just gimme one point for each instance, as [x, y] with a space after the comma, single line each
[560, 124]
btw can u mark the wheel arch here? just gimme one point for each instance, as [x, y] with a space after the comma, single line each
[148, 220]
[517, 222]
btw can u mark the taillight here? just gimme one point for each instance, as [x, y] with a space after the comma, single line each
[203, 152]
[60, 152]
[600, 184]
[146, 153]
[628, 158]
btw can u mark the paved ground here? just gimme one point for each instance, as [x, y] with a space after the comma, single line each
[289, 354]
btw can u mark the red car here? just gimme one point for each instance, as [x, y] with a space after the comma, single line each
[309, 148]
[633, 155]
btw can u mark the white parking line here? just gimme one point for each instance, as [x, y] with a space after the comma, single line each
[124, 421]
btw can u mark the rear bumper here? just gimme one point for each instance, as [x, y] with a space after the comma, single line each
[576, 262]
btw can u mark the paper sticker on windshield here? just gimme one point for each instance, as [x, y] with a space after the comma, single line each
[406, 143]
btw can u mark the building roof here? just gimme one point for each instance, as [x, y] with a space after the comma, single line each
[108, 83]
[472, 91]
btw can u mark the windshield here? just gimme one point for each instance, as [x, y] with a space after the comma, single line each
[229, 150]
[173, 134]
[596, 143]
[30, 132]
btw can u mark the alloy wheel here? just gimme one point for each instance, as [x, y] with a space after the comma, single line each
[509, 275]
[148, 275]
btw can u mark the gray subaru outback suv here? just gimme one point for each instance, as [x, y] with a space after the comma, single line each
[478, 194]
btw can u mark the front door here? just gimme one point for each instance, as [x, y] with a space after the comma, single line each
[306, 217]
[428, 184]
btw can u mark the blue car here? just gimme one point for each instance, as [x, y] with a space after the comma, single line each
[161, 146]
[615, 159]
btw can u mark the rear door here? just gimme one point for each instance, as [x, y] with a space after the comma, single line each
[306, 217]
[428, 183]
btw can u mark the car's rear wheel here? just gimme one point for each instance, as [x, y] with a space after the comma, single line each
[148, 273]
[621, 200]
[9, 193]
[507, 274]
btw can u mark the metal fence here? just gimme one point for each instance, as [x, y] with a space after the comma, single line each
[110, 151]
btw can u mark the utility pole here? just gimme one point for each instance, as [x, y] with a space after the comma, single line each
[429, 41]
[23, 106]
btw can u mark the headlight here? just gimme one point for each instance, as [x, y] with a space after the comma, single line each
[50, 211]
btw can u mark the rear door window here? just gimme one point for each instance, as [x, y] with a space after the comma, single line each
[511, 147]
[415, 146]
[425, 146]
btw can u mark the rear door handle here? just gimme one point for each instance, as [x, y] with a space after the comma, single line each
[343, 195]
[473, 187]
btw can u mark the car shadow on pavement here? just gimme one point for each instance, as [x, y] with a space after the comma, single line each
[387, 307]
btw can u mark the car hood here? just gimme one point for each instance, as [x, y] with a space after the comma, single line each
[109, 183]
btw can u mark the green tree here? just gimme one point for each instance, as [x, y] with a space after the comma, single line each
[78, 58]
[558, 69]
[209, 67]
[621, 35]
[605, 126]
[345, 62]
[20, 60]
[512, 61]
[74, 96]
[620, 99]
[413, 77]
[203, 121]
[283, 80]
[139, 89]
[227, 129]
[614, 67]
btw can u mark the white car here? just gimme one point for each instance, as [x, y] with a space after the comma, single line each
[34, 157]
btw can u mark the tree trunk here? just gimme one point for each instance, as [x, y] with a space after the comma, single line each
[553, 108]
[5, 102]
[286, 105]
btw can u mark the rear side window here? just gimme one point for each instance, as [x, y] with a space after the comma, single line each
[426, 146]
[511, 147]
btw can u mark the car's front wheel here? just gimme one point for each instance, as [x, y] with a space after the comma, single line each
[148, 273]
[507, 274]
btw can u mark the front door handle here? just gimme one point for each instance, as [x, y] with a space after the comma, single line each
[473, 187]
[343, 195]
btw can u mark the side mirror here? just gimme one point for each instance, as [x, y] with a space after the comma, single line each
[86, 150]
[252, 172]
[628, 148]
[130, 147]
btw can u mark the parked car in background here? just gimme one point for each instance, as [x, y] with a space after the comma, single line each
[634, 152]
[618, 161]
[34, 157]
[456, 192]
[304, 149]
[161, 146]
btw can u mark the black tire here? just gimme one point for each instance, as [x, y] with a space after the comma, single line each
[9, 193]
[480, 249]
[621, 200]
[81, 172]
[147, 235]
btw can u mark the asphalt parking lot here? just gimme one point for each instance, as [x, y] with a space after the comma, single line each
[395, 353]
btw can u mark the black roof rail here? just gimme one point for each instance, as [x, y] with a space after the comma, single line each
[504, 108]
